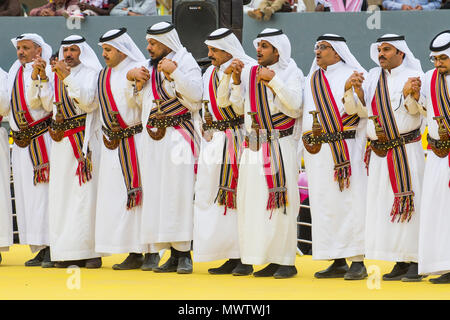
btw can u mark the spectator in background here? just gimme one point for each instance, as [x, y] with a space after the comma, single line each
[267, 8]
[56, 8]
[10, 8]
[97, 7]
[341, 5]
[135, 8]
[412, 4]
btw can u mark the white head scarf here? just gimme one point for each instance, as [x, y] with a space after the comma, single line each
[398, 42]
[280, 41]
[37, 39]
[341, 48]
[87, 56]
[119, 39]
[165, 33]
[224, 39]
[441, 44]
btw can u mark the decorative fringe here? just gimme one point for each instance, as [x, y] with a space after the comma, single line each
[342, 174]
[41, 174]
[134, 198]
[84, 170]
[226, 197]
[277, 199]
[367, 158]
[403, 207]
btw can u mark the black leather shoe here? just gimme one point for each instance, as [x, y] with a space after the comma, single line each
[445, 278]
[242, 270]
[412, 275]
[357, 271]
[284, 272]
[338, 269]
[170, 266]
[37, 260]
[268, 271]
[226, 268]
[151, 261]
[397, 273]
[66, 264]
[133, 261]
[184, 265]
[0, 258]
[93, 263]
[47, 262]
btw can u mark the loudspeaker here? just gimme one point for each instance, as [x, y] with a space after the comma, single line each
[194, 21]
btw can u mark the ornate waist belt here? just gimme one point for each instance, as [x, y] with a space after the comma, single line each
[223, 125]
[254, 139]
[405, 138]
[69, 124]
[168, 121]
[440, 147]
[23, 137]
[329, 137]
[120, 134]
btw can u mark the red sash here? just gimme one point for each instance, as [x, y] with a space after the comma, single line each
[37, 148]
[127, 147]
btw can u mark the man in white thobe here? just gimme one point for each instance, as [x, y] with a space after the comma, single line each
[215, 218]
[170, 99]
[30, 90]
[395, 159]
[119, 193]
[267, 194]
[6, 232]
[434, 238]
[75, 155]
[337, 179]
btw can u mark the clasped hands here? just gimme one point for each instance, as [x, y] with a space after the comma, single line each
[141, 75]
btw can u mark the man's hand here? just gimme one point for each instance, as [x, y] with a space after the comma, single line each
[140, 76]
[61, 69]
[131, 13]
[167, 66]
[412, 87]
[47, 12]
[407, 7]
[39, 69]
[265, 75]
[235, 68]
[418, 7]
[355, 81]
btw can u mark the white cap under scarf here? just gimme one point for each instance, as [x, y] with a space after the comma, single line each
[339, 45]
[88, 57]
[224, 39]
[441, 44]
[119, 39]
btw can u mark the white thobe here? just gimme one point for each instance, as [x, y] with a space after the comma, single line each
[215, 233]
[117, 230]
[72, 206]
[434, 238]
[168, 165]
[6, 232]
[337, 216]
[267, 236]
[386, 240]
[32, 200]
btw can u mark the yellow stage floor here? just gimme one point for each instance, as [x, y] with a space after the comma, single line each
[29, 283]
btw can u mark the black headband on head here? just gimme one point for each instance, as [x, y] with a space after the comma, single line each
[441, 48]
[161, 31]
[220, 36]
[116, 35]
[270, 34]
[75, 41]
[331, 38]
[396, 38]
[20, 37]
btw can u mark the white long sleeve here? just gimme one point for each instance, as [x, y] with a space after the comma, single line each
[81, 87]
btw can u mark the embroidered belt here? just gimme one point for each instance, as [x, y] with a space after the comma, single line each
[168, 121]
[256, 139]
[23, 137]
[223, 125]
[122, 133]
[69, 124]
[329, 137]
[390, 144]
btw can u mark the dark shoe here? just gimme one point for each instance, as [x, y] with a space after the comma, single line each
[66, 264]
[242, 270]
[285, 272]
[226, 268]
[93, 263]
[151, 261]
[268, 271]
[413, 274]
[357, 271]
[397, 273]
[170, 266]
[133, 261]
[37, 260]
[184, 265]
[47, 262]
[338, 269]
[0, 258]
[445, 278]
